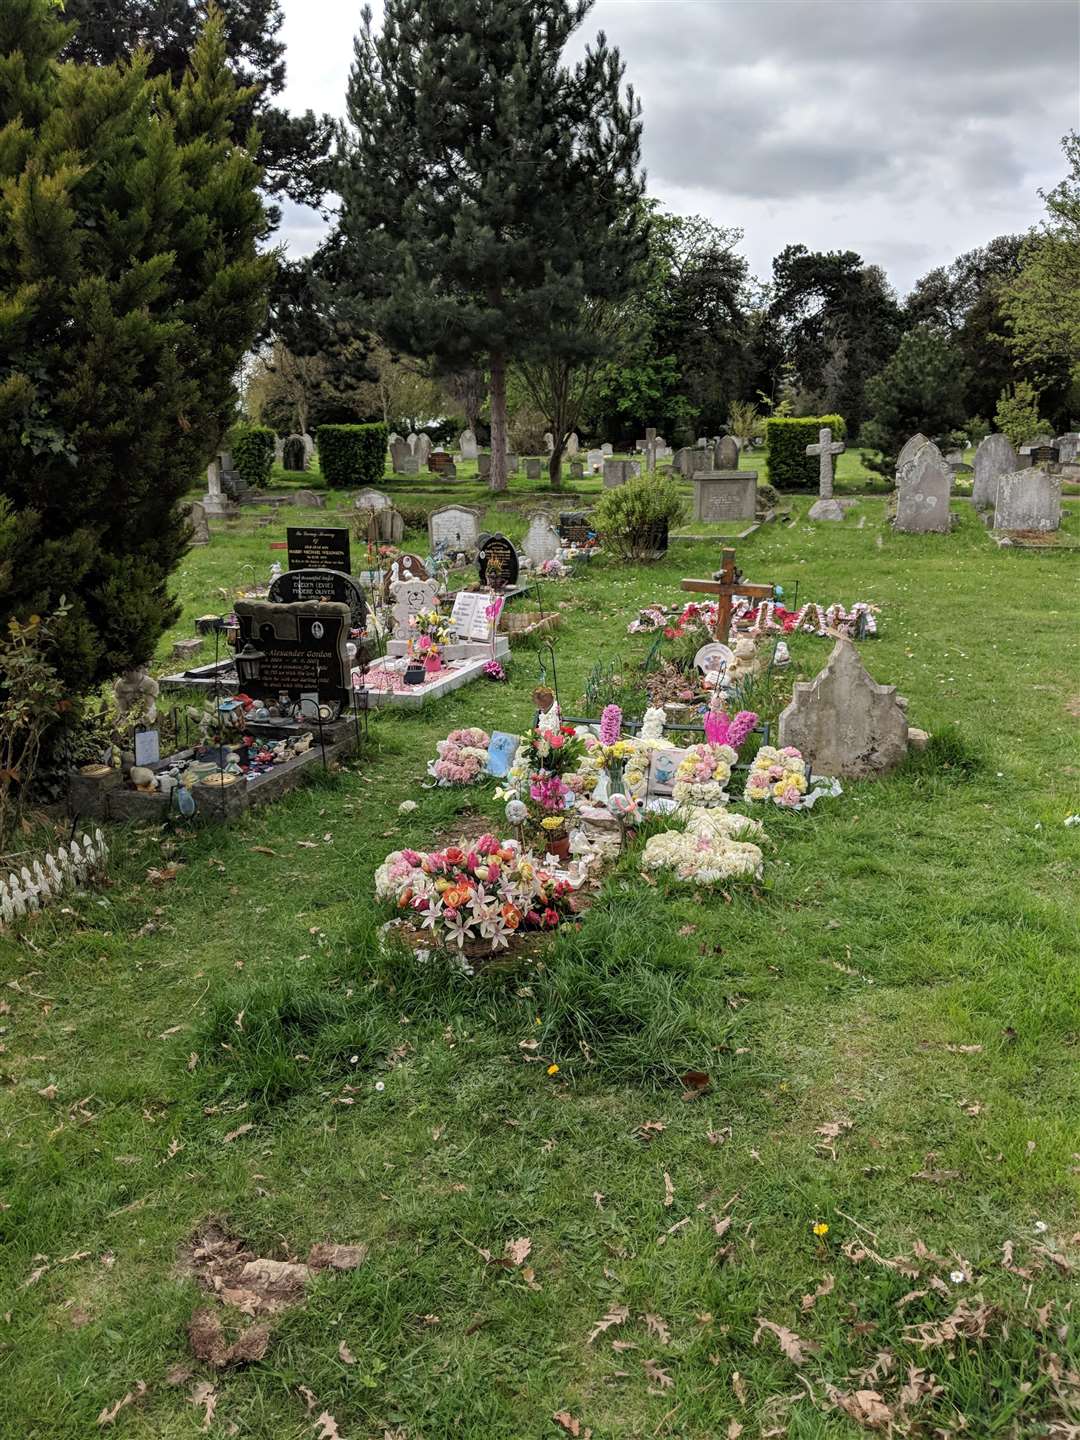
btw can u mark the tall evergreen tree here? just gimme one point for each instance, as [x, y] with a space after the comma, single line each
[294, 150]
[130, 288]
[488, 189]
[920, 389]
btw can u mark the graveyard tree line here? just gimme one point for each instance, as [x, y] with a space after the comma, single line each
[490, 193]
[131, 287]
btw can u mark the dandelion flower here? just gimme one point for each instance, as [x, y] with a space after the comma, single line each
[821, 1228]
[553, 1069]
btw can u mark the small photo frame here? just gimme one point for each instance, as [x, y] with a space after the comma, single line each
[662, 767]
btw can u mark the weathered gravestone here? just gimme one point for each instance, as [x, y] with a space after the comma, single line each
[922, 503]
[541, 542]
[1068, 447]
[725, 495]
[994, 457]
[411, 440]
[393, 438]
[386, 521]
[215, 501]
[498, 563]
[572, 443]
[423, 449]
[845, 723]
[1029, 447]
[910, 449]
[549, 442]
[320, 585]
[532, 469]
[594, 460]
[309, 449]
[200, 528]
[727, 454]
[1028, 500]
[606, 450]
[825, 506]
[616, 473]
[467, 445]
[293, 649]
[453, 528]
[400, 455]
[577, 469]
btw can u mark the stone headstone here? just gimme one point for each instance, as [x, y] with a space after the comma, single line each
[725, 495]
[616, 473]
[594, 459]
[467, 445]
[549, 442]
[371, 500]
[309, 449]
[1068, 447]
[541, 542]
[532, 469]
[279, 450]
[925, 484]
[411, 440]
[701, 442]
[577, 469]
[410, 597]
[1025, 451]
[393, 438]
[910, 449]
[410, 465]
[400, 452]
[727, 454]
[454, 527]
[483, 465]
[423, 449]
[1028, 500]
[293, 649]
[844, 723]
[215, 501]
[994, 457]
[314, 585]
[572, 443]
[498, 563]
[200, 529]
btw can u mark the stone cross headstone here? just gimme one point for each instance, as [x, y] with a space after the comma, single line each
[1028, 500]
[825, 507]
[453, 528]
[727, 454]
[994, 457]
[922, 504]
[467, 445]
[541, 542]
[844, 723]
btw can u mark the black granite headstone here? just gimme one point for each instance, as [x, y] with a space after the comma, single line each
[498, 563]
[318, 547]
[296, 585]
[293, 650]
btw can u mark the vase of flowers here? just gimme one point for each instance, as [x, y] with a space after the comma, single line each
[432, 660]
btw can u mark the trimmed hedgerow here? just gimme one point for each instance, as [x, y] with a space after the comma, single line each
[352, 454]
[786, 438]
[253, 454]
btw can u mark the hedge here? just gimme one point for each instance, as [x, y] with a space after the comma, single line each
[786, 439]
[352, 454]
[253, 454]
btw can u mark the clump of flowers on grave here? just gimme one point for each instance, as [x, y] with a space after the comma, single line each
[463, 757]
[556, 751]
[428, 629]
[724, 729]
[777, 775]
[710, 849]
[494, 671]
[474, 895]
[703, 775]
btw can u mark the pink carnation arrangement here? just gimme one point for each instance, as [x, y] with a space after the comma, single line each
[494, 671]
[463, 757]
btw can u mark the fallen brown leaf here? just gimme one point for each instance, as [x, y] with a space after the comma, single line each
[570, 1423]
[825, 1288]
[327, 1427]
[865, 1407]
[235, 1134]
[262, 850]
[795, 1349]
[109, 1414]
[204, 1394]
[517, 1251]
[337, 1257]
[655, 1326]
[345, 1354]
[657, 1375]
[618, 1315]
[208, 1344]
[669, 1191]
[734, 1430]
[718, 1137]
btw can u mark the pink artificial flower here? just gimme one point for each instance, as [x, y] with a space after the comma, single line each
[610, 724]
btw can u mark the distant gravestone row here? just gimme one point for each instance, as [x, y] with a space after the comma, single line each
[1023, 491]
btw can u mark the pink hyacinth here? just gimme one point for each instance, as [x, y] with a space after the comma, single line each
[723, 729]
[610, 725]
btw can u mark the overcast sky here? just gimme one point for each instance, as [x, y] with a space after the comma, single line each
[908, 130]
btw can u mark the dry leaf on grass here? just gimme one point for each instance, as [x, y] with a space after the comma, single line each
[734, 1430]
[969, 1321]
[204, 1394]
[337, 1257]
[721, 1226]
[235, 1134]
[206, 1336]
[657, 1375]
[327, 1427]
[669, 1191]
[648, 1130]
[656, 1327]
[718, 1137]
[517, 1251]
[936, 1177]
[695, 1083]
[49, 1092]
[825, 1288]
[738, 1384]
[571, 1424]
[616, 1316]
[109, 1414]
[911, 1295]
[793, 1347]
[865, 1407]
[673, 1230]
[856, 1252]
[1007, 1262]
[262, 850]
[345, 1354]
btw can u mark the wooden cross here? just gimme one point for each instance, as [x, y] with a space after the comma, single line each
[826, 448]
[725, 585]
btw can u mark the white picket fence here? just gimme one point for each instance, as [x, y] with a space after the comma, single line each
[37, 886]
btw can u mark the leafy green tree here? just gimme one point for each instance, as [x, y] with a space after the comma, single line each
[1043, 302]
[294, 150]
[131, 287]
[921, 388]
[840, 322]
[488, 189]
[1017, 413]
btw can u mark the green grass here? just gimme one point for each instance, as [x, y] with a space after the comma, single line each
[935, 909]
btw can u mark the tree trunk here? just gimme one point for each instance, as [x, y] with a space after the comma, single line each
[555, 466]
[498, 420]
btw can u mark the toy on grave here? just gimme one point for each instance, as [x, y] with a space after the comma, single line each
[136, 695]
[745, 665]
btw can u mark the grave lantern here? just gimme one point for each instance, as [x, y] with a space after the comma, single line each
[248, 662]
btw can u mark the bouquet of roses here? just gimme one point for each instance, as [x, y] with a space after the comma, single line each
[777, 775]
[478, 894]
[557, 752]
[702, 775]
[463, 757]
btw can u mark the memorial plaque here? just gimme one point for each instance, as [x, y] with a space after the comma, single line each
[293, 649]
[1042, 454]
[498, 563]
[320, 585]
[318, 547]
[574, 529]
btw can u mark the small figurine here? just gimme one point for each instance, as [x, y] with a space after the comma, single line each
[136, 690]
[745, 664]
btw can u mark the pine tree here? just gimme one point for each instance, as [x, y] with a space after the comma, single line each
[130, 288]
[921, 389]
[488, 190]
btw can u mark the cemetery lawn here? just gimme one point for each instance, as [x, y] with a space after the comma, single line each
[889, 1023]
